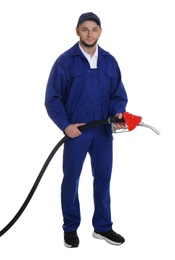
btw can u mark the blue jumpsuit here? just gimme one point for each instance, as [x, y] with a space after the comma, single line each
[76, 93]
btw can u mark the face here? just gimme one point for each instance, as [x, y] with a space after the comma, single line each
[89, 33]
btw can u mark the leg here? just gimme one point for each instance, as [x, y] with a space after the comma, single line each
[75, 151]
[101, 160]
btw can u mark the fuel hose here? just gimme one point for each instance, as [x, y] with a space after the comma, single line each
[109, 120]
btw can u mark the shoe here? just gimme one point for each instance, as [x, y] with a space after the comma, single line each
[71, 239]
[110, 237]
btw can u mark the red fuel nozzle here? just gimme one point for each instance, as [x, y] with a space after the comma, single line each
[131, 120]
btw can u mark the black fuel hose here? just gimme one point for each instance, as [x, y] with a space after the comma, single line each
[109, 120]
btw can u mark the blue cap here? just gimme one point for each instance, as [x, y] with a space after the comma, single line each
[89, 16]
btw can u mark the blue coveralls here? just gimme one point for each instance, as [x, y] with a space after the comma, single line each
[77, 94]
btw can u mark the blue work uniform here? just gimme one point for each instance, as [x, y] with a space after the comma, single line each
[76, 93]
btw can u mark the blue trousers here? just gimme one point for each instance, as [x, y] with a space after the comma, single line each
[98, 144]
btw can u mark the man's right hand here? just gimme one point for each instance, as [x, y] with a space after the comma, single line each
[72, 130]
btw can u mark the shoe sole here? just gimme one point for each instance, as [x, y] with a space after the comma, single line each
[69, 246]
[98, 236]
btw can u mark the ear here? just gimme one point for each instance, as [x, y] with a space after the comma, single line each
[100, 32]
[77, 32]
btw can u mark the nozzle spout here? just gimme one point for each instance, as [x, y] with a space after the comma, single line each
[150, 127]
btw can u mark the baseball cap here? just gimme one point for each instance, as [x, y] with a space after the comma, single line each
[89, 16]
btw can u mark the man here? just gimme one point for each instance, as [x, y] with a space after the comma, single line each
[85, 86]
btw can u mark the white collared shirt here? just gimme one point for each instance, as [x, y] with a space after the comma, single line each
[92, 60]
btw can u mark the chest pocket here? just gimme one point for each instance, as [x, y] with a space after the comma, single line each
[112, 79]
[75, 80]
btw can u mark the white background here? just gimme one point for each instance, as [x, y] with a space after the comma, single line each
[140, 34]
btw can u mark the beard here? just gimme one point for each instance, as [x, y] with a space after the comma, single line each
[87, 44]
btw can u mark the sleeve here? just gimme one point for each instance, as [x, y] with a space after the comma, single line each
[54, 96]
[119, 98]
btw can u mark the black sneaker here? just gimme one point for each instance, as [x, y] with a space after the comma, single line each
[110, 237]
[71, 239]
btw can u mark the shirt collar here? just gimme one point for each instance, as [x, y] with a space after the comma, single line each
[92, 60]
